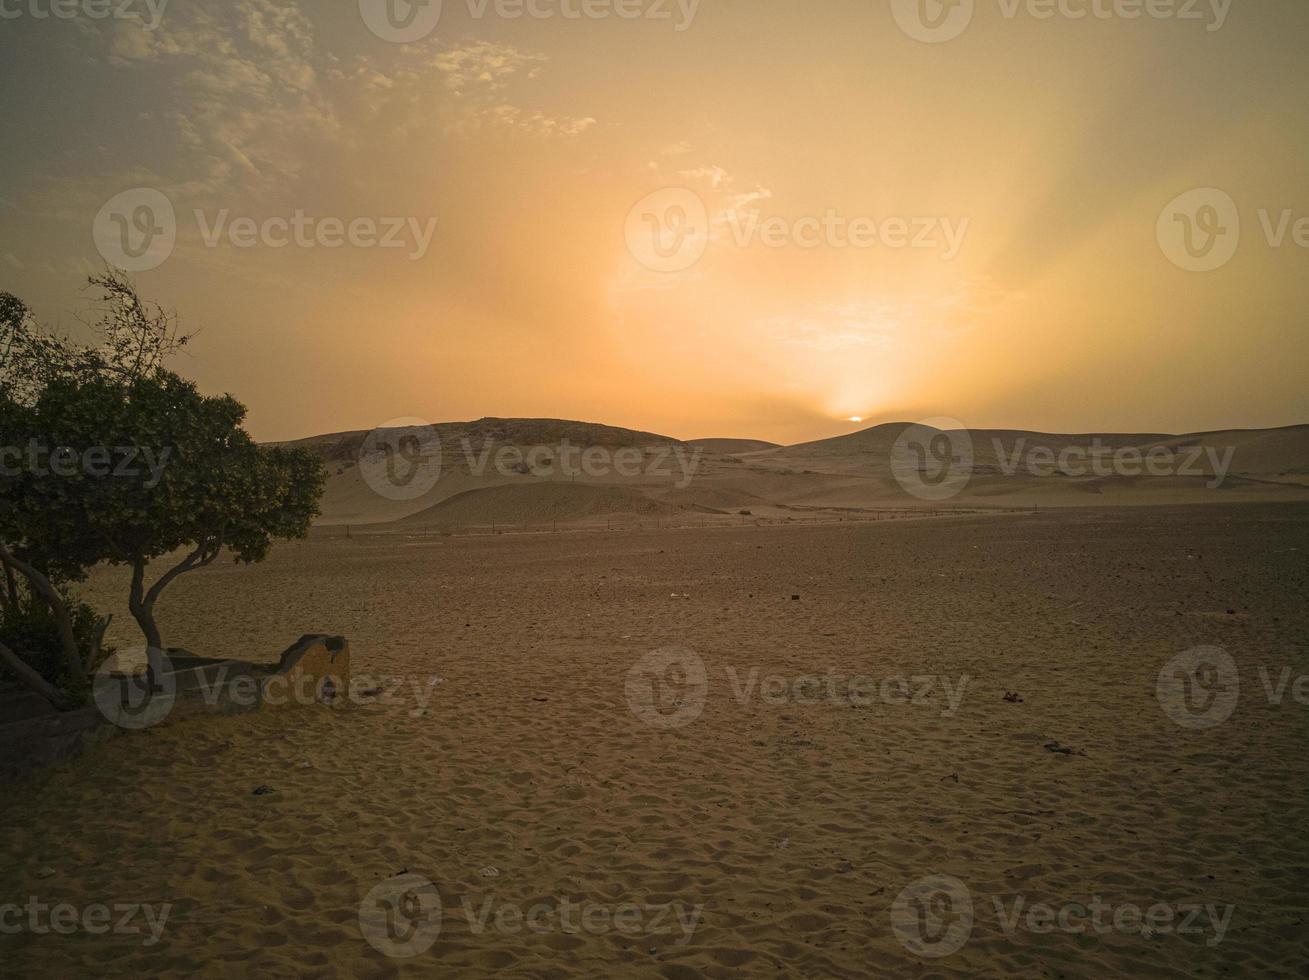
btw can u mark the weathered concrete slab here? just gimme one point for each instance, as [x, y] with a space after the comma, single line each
[168, 689]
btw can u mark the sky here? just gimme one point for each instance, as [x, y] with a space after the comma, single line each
[743, 219]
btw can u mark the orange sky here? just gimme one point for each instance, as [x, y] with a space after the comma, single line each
[1033, 161]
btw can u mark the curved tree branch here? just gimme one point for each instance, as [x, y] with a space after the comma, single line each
[34, 680]
[63, 621]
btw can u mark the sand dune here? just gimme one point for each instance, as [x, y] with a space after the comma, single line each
[843, 475]
[538, 503]
[732, 447]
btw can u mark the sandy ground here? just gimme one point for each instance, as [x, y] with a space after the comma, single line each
[781, 825]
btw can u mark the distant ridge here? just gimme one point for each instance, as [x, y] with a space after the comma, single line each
[340, 446]
[839, 478]
[731, 447]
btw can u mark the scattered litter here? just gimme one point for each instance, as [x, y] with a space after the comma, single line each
[262, 790]
[1012, 698]
[783, 844]
[541, 699]
[45, 872]
[489, 872]
[795, 598]
[954, 776]
[1058, 749]
[680, 595]
[844, 868]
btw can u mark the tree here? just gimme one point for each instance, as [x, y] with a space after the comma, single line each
[131, 463]
[27, 360]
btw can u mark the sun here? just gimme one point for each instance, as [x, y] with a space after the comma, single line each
[855, 418]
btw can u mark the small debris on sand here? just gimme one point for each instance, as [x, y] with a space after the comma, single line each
[1058, 749]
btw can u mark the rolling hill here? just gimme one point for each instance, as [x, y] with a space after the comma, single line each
[495, 472]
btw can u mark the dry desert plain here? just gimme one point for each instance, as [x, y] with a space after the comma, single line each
[582, 814]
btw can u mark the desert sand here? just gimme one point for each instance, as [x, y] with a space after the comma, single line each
[791, 824]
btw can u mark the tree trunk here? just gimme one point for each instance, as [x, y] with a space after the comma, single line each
[142, 608]
[11, 585]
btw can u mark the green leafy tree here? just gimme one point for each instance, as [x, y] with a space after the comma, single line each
[160, 469]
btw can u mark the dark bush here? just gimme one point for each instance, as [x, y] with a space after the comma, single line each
[29, 629]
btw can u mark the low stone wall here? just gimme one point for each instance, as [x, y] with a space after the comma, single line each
[315, 670]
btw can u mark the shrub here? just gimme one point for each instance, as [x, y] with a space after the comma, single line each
[28, 628]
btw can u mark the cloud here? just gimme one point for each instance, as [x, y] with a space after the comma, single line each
[256, 101]
[241, 85]
[485, 66]
[835, 327]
